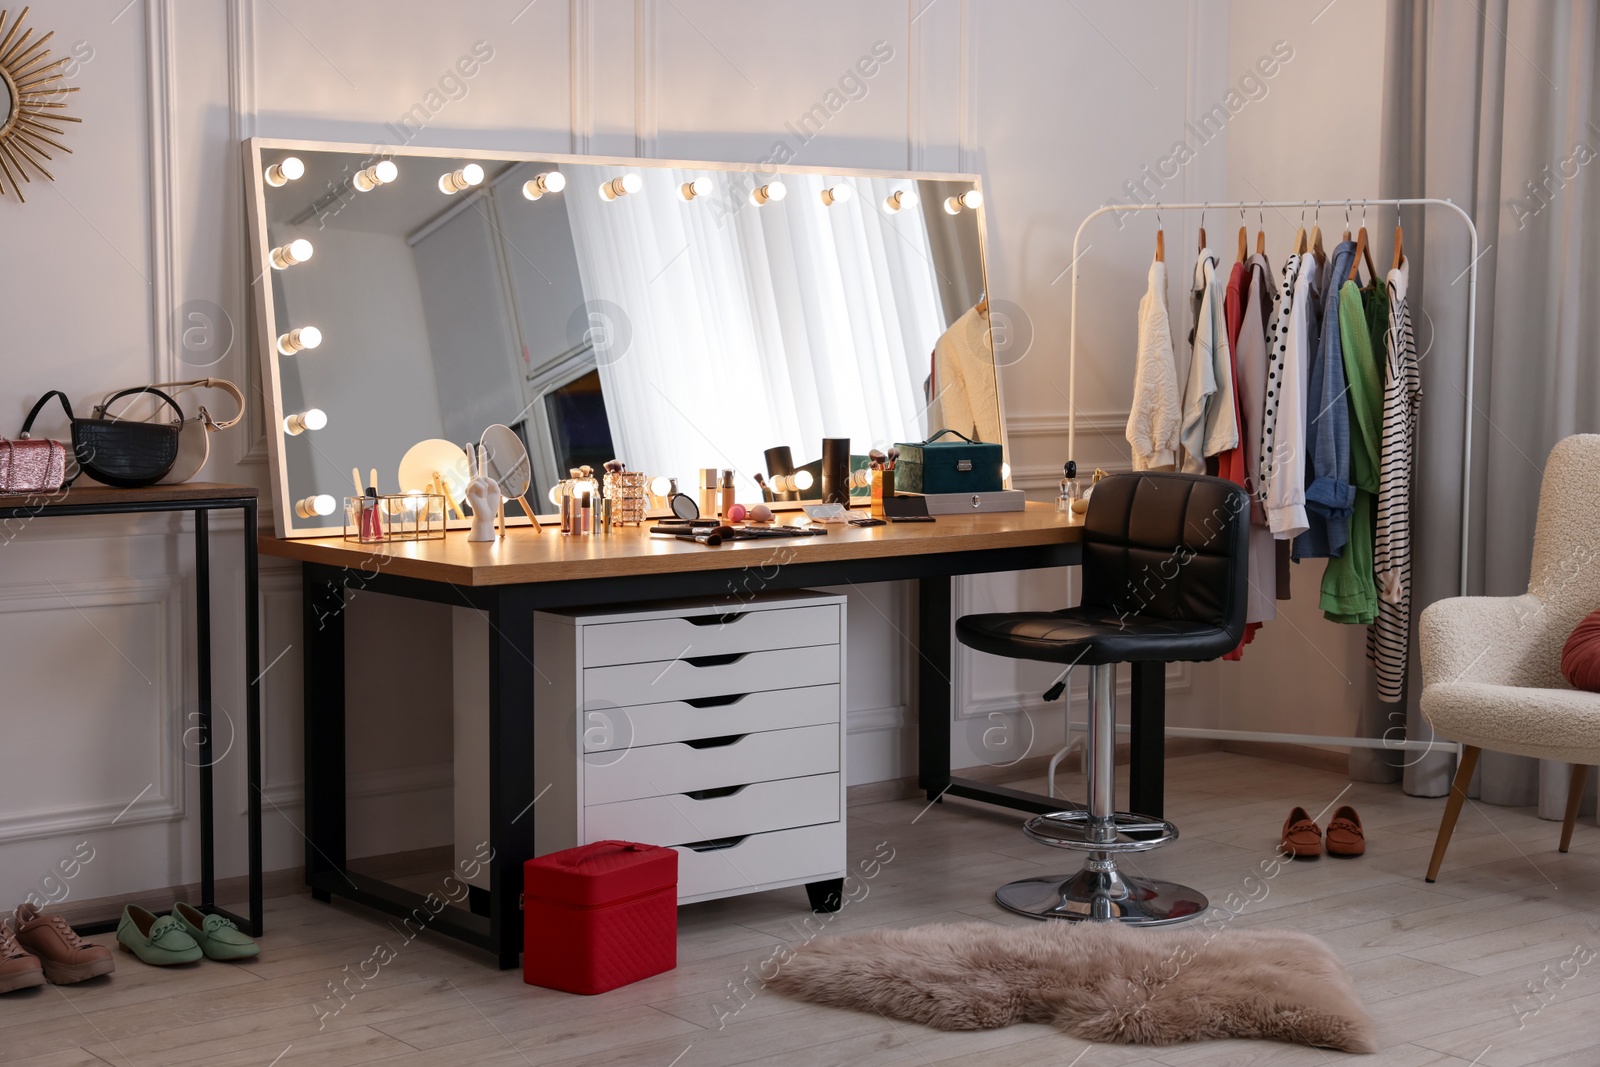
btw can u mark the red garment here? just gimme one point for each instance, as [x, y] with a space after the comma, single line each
[1231, 464]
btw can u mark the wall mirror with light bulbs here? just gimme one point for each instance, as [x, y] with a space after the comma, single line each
[674, 315]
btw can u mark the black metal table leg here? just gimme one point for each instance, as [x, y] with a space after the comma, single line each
[322, 649]
[202, 638]
[934, 605]
[512, 789]
[252, 713]
[1148, 739]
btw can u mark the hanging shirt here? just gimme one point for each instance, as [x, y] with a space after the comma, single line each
[1156, 420]
[1250, 358]
[1329, 494]
[963, 369]
[1388, 641]
[1349, 593]
[1282, 482]
[1230, 464]
[1209, 425]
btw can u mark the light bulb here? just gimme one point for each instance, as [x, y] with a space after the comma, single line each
[900, 198]
[285, 170]
[461, 180]
[298, 338]
[555, 494]
[839, 194]
[310, 419]
[549, 182]
[660, 485]
[802, 480]
[773, 190]
[698, 187]
[971, 199]
[380, 173]
[1005, 472]
[313, 507]
[627, 183]
[296, 251]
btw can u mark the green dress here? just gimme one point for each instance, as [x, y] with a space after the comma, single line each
[1349, 592]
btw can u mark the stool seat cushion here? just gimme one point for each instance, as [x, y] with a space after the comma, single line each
[1091, 636]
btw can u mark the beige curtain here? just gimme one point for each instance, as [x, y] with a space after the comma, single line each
[1496, 106]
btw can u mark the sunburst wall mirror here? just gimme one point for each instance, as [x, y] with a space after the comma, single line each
[30, 104]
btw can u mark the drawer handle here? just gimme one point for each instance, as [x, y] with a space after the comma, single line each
[716, 844]
[716, 702]
[715, 661]
[716, 742]
[715, 620]
[714, 794]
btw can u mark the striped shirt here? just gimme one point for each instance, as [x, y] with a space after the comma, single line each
[1389, 638]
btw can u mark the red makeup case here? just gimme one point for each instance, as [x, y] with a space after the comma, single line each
[599, 916]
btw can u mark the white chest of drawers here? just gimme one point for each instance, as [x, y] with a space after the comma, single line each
[719, 733]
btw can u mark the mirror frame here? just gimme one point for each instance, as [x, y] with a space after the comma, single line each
[256, 150]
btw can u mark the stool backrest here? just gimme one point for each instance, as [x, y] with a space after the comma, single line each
[1159, 545]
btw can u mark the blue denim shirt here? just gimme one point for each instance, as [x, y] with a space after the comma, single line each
[1329, 495]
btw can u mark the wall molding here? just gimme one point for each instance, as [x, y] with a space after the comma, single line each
[164, 800]
[251, 447]
[873, 720]
[161, 120]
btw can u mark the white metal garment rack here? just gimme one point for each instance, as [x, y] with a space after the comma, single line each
[1466, 434]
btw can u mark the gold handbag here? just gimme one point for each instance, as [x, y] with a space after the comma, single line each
[194, 435]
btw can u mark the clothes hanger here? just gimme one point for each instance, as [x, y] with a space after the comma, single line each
[1161, 241]
[1261, 230]
[1364, 252]
[1316, 237]
[1300, 234]
[1346, 236]
[1244, 237]
[1399, 242]
[1202, 227]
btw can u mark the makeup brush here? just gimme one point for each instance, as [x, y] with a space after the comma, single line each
[894, 456]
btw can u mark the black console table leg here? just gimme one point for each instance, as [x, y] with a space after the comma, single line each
[322, 648]
[202, 641]
[252, 713]
[934, 604]
[1148, 739]
[826, 895]
[512, 790]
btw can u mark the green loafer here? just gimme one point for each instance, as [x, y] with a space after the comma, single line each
[219, 938]
[159, 942]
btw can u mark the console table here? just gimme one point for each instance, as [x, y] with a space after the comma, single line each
[525, 572]
[201, 498]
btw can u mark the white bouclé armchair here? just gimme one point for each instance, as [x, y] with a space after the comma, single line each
[1491, 666]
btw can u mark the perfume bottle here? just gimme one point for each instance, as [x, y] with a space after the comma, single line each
[1070, 489]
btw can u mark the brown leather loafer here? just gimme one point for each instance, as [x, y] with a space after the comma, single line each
[66, 958]
[18, 970]
[1344, 833]
[1301, 836]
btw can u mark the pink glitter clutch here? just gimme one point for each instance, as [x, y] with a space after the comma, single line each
[29, 466]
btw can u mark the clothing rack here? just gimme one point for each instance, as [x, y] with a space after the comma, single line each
[1466, 448]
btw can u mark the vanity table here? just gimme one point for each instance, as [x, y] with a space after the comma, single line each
[523, 573]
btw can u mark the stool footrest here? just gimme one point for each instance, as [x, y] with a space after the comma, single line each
[1121, 832]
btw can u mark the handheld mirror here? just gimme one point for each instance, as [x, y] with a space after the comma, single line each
[509, 465]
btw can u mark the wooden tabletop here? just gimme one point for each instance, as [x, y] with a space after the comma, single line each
[89, 493]
[525, 556]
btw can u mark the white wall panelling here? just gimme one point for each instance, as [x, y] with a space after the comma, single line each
[1057, 105]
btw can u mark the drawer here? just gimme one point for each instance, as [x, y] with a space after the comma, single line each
[753, 809]
[635, 773]
[811, 853]
[692, 677]
[682, 720]
[647, 640]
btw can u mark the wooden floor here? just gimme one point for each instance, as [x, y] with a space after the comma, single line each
[1444, 969]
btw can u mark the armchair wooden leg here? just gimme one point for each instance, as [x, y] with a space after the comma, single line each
[1574, 798]
[1452, 808]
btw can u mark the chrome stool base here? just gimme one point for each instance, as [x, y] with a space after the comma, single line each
[1101, 893]
[1121, 832]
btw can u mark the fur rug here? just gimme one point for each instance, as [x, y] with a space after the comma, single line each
[1096, 982]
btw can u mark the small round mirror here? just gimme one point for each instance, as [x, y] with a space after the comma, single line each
[32, 103]
[507, 462]
[8, 100]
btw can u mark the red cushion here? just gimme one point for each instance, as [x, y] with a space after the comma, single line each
[1580, 657]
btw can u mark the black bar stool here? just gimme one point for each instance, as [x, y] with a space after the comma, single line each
[1164, 579]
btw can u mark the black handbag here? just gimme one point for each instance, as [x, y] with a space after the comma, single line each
[124, 453]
